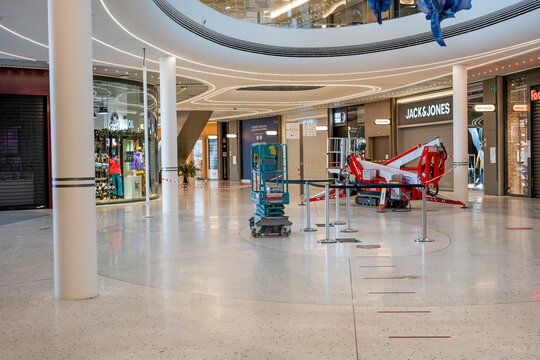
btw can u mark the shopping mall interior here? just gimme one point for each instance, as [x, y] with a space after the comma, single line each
[269, 179]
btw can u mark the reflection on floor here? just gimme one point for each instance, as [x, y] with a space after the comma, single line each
[196, 285]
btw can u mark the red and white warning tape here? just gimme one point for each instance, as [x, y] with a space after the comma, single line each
[185, 187]
[456, 165]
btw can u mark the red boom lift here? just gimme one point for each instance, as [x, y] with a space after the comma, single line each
[430, 169]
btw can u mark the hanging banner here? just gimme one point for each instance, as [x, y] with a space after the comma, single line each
[310, 130]
[292, 131]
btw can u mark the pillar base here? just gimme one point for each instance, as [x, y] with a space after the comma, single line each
[424, 240]
[327, 241]
[308, 230]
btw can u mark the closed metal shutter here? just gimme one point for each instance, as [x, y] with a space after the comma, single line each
[412, 136]
[535, 143]
[23, 152]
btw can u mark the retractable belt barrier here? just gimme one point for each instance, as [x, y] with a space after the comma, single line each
[348, 186]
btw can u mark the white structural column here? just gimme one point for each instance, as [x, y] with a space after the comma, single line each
[460, 133]
[169, 134]
[72, 142]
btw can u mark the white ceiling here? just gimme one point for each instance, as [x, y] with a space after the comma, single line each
[123, 27]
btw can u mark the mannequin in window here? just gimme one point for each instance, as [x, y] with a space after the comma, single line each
[138, 166]
[116, 173]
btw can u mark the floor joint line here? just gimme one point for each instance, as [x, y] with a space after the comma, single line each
[353, 312]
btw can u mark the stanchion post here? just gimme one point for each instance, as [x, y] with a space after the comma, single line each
[349, 229]
[338, 220]
[327, 239]
[424, 238]
[342, 159]
[308, 227]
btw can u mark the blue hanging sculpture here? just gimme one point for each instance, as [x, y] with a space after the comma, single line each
[438, 10]
[380, 6]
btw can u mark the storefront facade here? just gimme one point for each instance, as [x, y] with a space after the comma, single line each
[119, 149]
[25, 180]
[25, 157]
[523, 134]
[371, 121]
[205, 155]
[425, 117]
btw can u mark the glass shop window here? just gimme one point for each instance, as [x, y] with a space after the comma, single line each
[517, 146]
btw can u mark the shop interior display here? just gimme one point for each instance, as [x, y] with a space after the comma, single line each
[517, 128]
[127, 180]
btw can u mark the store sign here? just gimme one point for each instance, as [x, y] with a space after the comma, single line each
[382, 121]
[340, 118]
[484, 108]
[535, 95]
[428, 111]
[521, 108]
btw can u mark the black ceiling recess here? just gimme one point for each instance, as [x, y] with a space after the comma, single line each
[510, 12]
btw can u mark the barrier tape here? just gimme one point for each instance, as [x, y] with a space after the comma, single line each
[456, 165]
[185, 187]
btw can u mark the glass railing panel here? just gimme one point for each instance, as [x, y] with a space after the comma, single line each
[308, 13]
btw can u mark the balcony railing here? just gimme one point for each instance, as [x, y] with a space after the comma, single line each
[308, 14]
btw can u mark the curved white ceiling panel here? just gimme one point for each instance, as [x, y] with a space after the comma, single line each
[176, 40]
[352, 35]
[121, 28]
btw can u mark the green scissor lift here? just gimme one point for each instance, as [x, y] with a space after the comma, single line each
[269, 190]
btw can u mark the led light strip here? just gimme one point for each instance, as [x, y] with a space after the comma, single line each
[210, 85]
[429, 66]
[23, 37]
[209, 92]
[17, 56]
[442, 63]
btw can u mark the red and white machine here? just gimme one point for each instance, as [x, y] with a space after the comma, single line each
[430, 169]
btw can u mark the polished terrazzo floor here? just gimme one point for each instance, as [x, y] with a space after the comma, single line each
[196, 285]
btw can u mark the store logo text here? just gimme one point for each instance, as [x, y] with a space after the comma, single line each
[535, 95]
[427, 111]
